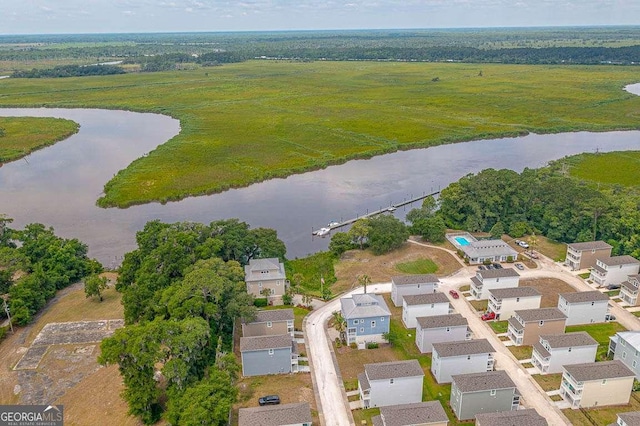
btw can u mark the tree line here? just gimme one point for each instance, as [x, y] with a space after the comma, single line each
[69, 71]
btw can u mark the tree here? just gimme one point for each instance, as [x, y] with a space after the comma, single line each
[340, 242]
[497, 230]
[434, 229]
[364, 280]
[297, 280]
[94, 285]
[386, 233]
[340, 324]
[6, 233]
[359, 232]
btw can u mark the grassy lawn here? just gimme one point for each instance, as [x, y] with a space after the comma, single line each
[499, 326]
[312, 268]
[601, 333]
[552, 249]
[464, 288]
[601, 415]
[20, 136]
[521, 352]
[637, 313]
[614, 168]
[549, 288]
[613, 293]
[548, 382]
[419, 266]
[298, 314]
[479, 305]
[260, 120]
[364, 415]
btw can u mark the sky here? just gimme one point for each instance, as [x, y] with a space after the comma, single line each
[109, 16]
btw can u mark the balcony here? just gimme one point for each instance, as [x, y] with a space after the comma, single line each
[490, 363]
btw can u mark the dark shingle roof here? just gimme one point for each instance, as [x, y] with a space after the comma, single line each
[259, 343]
[476, 382]
[377, 421]
[364, 382]
[619, 260]
[590, 245]
[275, 415]
[528, 417]
[599, 370]
[425, 299]
[439, 321]
[463, 347]
[414, 279]
[413, 414]
[565, 340]
[508, 293]
[391, 370]
[274, 315]
[541, 350]
[498, 273]
[540, 314]
[584, 296]
[631, 418]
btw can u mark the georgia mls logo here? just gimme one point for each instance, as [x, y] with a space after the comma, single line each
[31, 415]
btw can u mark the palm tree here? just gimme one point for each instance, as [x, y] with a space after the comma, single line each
[340, 324]
[364, 279]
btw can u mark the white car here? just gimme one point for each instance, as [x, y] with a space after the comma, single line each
[523, 244]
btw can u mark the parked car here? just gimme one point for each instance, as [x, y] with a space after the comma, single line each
[454, 294]
[269, 400]
[609, 317]
[481, 268]
[519, 266]
[488, 316]
[523, 244]
[613, 286]
[533, 255]
[497, 265]
[517, 242]
[490, 266]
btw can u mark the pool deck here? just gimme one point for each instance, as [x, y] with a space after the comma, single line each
[453, 239]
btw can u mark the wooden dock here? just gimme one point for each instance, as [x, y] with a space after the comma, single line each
[390, 209]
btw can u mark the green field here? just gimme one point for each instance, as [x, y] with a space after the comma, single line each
[419, 266]
[21, 136]
[247, 122]
[612, 168]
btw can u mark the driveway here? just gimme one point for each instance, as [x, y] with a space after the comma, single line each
[333, 406]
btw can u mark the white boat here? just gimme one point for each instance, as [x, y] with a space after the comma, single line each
[333, 224]
[322, 232]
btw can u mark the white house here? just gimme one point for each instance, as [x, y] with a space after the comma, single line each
[424, 305]
[555, 350]
[629, 290]
[440, 328]
[625, 346]
[476, 252]
[405, 285]
[614, 270]
[584, 307]
[391, 383]
[505, 301]
[461, 357]
[493, 279]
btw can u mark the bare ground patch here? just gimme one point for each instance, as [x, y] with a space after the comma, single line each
[549, 288]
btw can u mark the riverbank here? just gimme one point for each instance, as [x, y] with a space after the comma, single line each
[21, 136]
[254, 121]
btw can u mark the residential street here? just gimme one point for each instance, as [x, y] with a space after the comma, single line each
[332, 401]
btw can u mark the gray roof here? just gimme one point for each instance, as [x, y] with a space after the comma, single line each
[377, 421]
[488, 248]
[364, 306]
[463, 347]
[364, 382]
[631, 337]
[476, 382]
[515, 323]
[510, 293]
[584, 296]
[259, 343]
[598, 370]
[274, 315]
[541, 350]
[413, 414]
[589, 245]
[540, 314]
[498, 273]
[619, 260]
[527, 417]
[275, 415]
[273, 265]
[425, 299]
[629, 285]
[392, 370]
[631, 418]
[414, 279]
[440, 321]
[565, 340]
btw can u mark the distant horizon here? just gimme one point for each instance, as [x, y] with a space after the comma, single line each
[55, 17]
[330, 30]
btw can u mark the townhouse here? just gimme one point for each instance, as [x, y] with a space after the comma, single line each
[492, 279]
[461, 357]
[266, 278]
[596, 384]
[584, 307]
[269, 322]
[584, 255]
[526, 326]
[553, 351]
[405, 285]
[505, 301]
[440, 328]
[424, 305]
[391, 383]
[477, 393]
[614, 270]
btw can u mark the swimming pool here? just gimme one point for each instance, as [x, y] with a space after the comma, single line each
[462, 241]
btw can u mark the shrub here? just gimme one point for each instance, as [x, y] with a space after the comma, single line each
[353, 345]
[372, 345]
[260, 302]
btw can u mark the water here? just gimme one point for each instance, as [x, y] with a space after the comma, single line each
[58, 186]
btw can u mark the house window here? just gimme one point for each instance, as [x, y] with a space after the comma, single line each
[493, 392]
[433, 305]
[361, 329]
[569, 349]
[373, 324]
[269, 324]
[604, 381]
[623, 343]
[260, 284]
[272, 291]
[278, 282]
[468, 357]
[390, 381]
[270, 351]
[624, 355]
[381, 319]
[593, 303]
[517, 299]
[448, 329]
[634, 363]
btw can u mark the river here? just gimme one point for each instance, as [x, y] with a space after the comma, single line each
[58, 185]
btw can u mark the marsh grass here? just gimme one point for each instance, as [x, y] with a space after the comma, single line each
[20, 136]
[248, 122]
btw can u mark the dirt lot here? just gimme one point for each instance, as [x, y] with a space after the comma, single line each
[67, 373]
[382, 268]
[549, 288]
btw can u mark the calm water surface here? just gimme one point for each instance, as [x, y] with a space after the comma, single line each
[59, 185]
